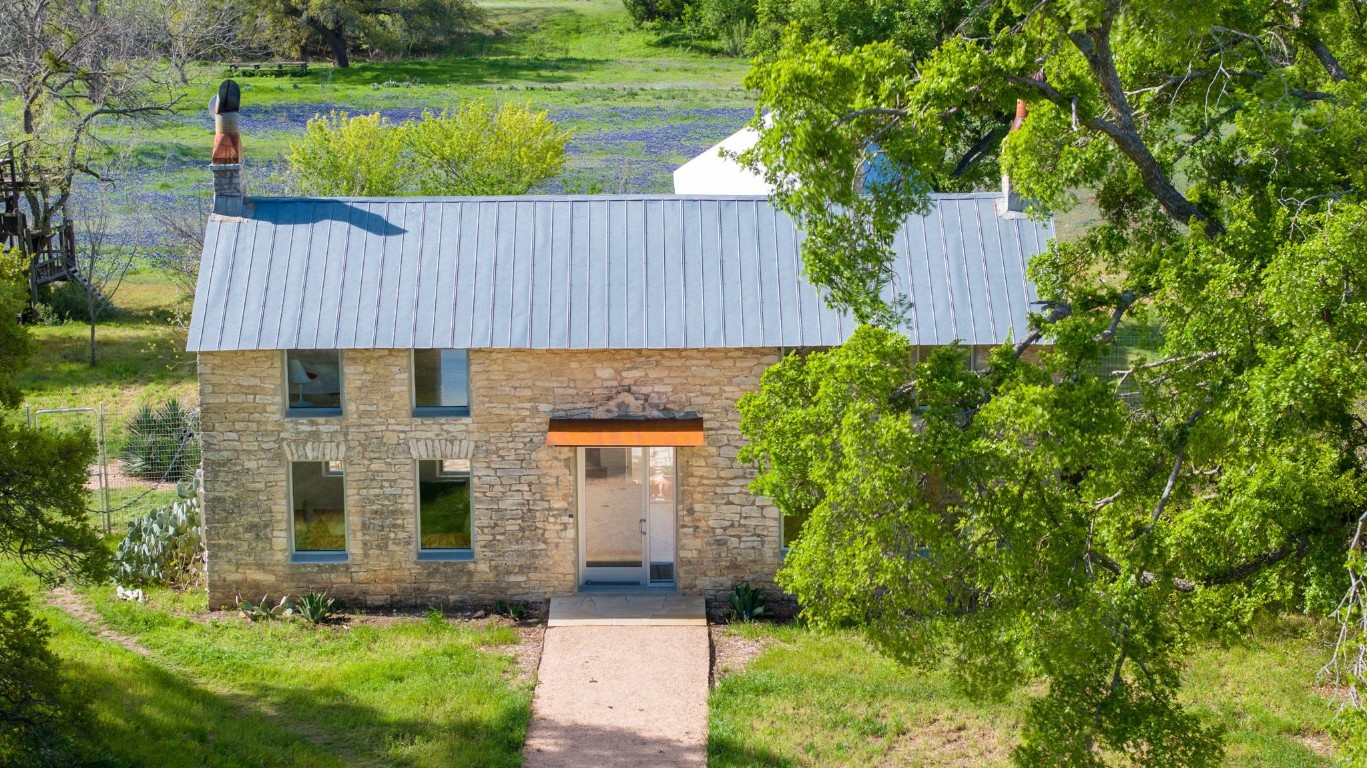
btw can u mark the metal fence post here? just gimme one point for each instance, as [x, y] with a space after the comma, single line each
[106, 512]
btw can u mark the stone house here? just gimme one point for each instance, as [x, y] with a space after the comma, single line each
[433, 400]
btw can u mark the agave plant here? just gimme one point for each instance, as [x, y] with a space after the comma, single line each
[747, 602]
[315, 607]
[161, 444]
[265, 610]
[513, 610]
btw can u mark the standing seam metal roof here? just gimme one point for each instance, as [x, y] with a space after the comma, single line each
[589, 272]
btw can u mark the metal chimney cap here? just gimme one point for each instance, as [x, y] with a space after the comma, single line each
[229, 98]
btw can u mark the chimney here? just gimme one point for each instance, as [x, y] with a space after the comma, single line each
[1011, 202]
[226, 163]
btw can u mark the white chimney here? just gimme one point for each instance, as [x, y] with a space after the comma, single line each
[1011, 202]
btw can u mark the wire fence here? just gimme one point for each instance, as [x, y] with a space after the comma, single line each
[142, 453]
[1132, 344]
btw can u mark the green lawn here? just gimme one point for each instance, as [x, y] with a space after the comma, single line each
[227, 692]
[140, 353]
[815, 699]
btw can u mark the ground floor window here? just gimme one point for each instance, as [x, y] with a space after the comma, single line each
[318, 502]
[792, 527]
[444, 530]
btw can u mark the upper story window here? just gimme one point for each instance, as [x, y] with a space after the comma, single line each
[441, 382]
[314, 382]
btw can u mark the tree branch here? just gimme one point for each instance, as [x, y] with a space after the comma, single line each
[858, 113]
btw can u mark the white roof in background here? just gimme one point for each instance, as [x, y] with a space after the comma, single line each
[583, 272]
[713, 173]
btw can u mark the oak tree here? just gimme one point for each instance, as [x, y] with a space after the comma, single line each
[1051, 517]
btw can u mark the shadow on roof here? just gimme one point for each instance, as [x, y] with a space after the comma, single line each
[291, 213]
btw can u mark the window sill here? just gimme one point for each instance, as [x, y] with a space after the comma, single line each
[312, 413]
[318, 557]
[441, 413]
[446, 555]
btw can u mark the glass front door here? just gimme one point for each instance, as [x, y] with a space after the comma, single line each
[626, 515]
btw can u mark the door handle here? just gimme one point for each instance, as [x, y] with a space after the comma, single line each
[643, 526]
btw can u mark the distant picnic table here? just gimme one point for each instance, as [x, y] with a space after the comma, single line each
[270, 68]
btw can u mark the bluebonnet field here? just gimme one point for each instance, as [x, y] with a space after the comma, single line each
[614, 149]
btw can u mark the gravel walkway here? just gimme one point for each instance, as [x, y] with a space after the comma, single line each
[620, 696]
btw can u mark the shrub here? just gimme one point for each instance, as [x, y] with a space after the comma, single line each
[475, 149]
[747, 602]
[37, 714]
[735, 37]
[727, 21]
[314, 607]
[647, 11]
[161, 444]
[166, 545]
[46, 315]
[66, 302]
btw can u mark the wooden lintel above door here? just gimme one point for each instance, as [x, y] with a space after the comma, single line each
[625, 432]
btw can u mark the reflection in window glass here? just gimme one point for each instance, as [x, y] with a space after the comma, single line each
[441, 379]
[612, 504]
[443, 504]
[319, 499]
[314, 378]
[660, 482]
[792, 527]
[455, 466]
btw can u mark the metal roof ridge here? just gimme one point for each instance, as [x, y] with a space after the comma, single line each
[276, 199]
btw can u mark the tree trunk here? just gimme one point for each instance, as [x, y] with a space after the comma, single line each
[336, 40]
[93, 312]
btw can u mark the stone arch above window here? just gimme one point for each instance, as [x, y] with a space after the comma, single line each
[312, 450]
[440, 448]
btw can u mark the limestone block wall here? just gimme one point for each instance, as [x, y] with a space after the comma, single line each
[525, 539]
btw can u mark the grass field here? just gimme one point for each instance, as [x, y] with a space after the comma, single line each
[828, 700]
[199, 691]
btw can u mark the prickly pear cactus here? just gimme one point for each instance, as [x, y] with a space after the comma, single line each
[164, 546]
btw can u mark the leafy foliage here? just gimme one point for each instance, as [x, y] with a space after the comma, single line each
[1036, 523]
[160, 444]
[38, 714]
[480, 149]
[46, 528]
[914, 25]
[337, 27]
[477, 149]
[747, 602]
[316, 608]
[648, 11]
[165, 546]
[15, 345]
[44, 520]
[730, 21]
[348, 156]
[67, 301]
[1347, 668]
